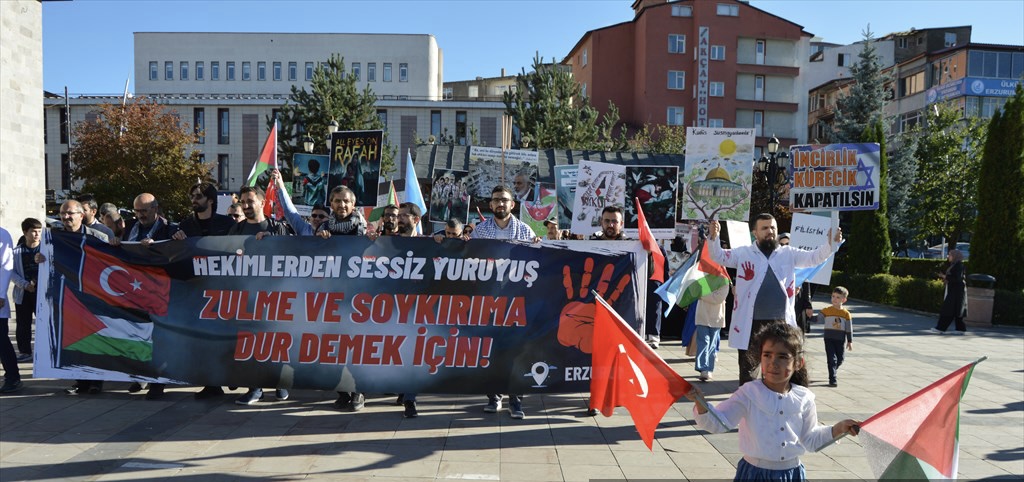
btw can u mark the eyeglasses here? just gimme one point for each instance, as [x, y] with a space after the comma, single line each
[69, 213]
[501, 200]
[318, 216]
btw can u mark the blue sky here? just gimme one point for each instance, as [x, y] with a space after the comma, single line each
[88, 44]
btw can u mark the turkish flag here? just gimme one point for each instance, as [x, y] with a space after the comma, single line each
[119, 283]
[650, 245]
[628, 373]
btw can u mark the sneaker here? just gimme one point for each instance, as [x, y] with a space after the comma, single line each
[156, 391]
[251, 397]
[209, 392]
[936, 331]
[493, 406]
[710, 376]
[11, 387]
[343, 401]
[24, 357]
[592, 412]
[281, 394]
[653, 341]
[833, 384]
[135, 387]
[72, 390]
[410, 409]
[515, 408]
[358, 401]
[703, 376]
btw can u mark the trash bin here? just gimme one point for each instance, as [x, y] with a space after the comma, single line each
[981, 294]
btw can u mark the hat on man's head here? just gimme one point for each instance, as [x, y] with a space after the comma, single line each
[551, 220]
[784, 236]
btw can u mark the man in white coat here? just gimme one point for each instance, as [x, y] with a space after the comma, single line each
[765, 282]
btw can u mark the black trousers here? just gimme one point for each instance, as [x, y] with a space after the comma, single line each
[945, 321]
[749, 367]
[8, 359]
[23, 322]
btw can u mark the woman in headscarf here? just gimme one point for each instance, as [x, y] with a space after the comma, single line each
[954, 304]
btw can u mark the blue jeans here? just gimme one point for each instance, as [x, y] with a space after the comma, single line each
[707, 345]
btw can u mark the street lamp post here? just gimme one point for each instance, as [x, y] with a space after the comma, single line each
[774, 167]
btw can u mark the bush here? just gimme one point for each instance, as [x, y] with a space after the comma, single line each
[902, 291]
[1008, 308]
[918, 268]
[920, 294]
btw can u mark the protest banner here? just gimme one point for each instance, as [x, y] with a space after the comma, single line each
[487, 170]
[598, 184]
[355, 163]
[535, 212]
[449, 198]
[309, 181]
[565, 185]
[808, 232]
[719, 167]
[391, 315]
[834, 177]
[655, 187]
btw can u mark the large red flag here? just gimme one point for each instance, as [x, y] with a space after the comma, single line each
[628, 373]
[647, 240]
[118, 283]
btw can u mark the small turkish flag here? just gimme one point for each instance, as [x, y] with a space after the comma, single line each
[628, 373]
[119, 283]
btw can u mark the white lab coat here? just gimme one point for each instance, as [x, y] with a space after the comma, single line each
[6, 268]
[783, 261]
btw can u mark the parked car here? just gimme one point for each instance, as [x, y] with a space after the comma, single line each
[939, 251]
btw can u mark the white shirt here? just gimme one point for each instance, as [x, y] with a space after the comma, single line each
[774, 428]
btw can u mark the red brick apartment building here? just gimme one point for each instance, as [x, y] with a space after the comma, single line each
[715, 63]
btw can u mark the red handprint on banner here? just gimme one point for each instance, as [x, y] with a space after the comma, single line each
[576, 322]
[790, 291]
[748, 271]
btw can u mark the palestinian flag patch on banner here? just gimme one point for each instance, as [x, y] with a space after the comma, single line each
[94, 334]
[918, 437]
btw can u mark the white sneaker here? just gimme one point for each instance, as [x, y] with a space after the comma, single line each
[703, 376]
[936, 331]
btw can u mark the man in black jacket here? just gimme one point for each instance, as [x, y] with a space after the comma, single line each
[204, 220]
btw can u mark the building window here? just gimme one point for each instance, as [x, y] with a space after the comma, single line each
[901, 42]
[277, 70]
[371, 72]
[716, 123]
[759, 123]
[293, 71]
[675, 116]
[222, 171]
[682, 11]
[154, 72]
[168, 70]
[447, 93]
[214, 70]
[261, 71]
[199, 124]
[403, 72]
[718, 52]
[382, 114]
[676, 43]
[583, 89]
[676, 79]
[387, 72]
[460, 127]
[912, 84]
[325, 66]
[435, 123]
[760, 49]
[246, 70]
[183, 70]
[309, 70]
[716, 89]
[844, 60]
[950, 38]
[223, 126]
[356, 70]
[727, 10]
[758, 87]
[231, 71]
[199, 71]
[584, 57]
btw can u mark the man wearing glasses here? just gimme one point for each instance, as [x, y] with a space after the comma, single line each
[504, 226]
[204, 220]
[235, 212]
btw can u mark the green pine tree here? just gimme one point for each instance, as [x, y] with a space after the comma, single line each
[901, 174]
[999, 229]
[863, 105]
[870, 250]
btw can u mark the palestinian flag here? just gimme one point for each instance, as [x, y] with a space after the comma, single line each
[379, 210]
[918, 437]
[697, 277]
[272, 207]
[95, 334]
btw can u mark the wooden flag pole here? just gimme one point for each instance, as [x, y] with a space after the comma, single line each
[506, 142]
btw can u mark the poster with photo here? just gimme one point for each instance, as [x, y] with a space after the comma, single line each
[449, 197]
[309, 181]
[565, 185]
[534, 213]
[486, 171]
[719, 168]
[655, 188]
[598, 184]
[355, 163]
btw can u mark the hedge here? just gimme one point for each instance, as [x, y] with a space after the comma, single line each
[923, 294]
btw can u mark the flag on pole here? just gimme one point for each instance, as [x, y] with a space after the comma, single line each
[392, 198]
[628, 373]
[697, 277]
[268, 161]
[412, 187]
[804, 274]
[919, 436]
[650, 245]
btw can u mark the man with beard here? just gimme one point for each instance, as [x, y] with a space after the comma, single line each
[204, 220]
[89, 215]
[409, 216]
[388, 223]
[504, 226]
[765, 282]
[345, 219]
